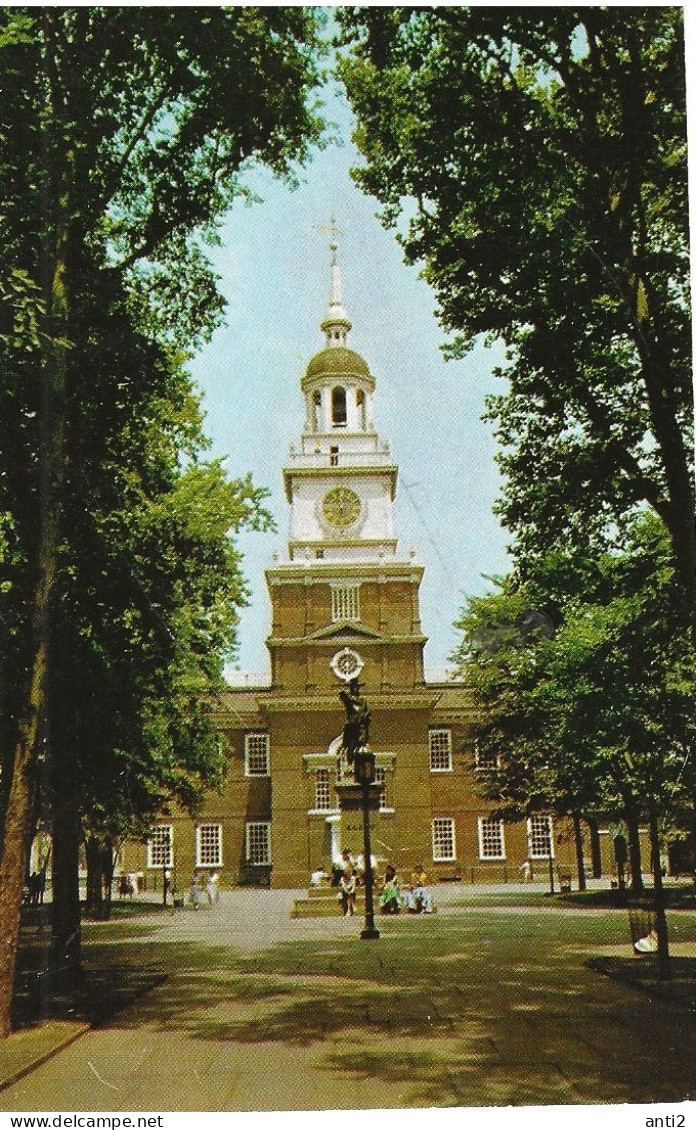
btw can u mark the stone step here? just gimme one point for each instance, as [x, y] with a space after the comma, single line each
[326, 905]
[322, 907]
[322, 892]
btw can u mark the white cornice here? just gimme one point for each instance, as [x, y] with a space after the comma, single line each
[389, 471]
[328, 703]
[318, 572]
[356, 637]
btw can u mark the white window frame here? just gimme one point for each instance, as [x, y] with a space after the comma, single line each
[484, 823]
[381, 779]
[531, 836]
[441, 822]
[249, 754]
[217, 861]
[345, 602]
[249, 831]
[326, 783]
[436, 753]
[162, 838]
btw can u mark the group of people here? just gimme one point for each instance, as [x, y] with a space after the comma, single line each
[415, 899]
[128, 886]
[204, 886]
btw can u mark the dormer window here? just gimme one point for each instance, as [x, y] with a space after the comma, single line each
[339, 415]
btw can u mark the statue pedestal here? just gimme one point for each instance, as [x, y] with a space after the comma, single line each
[353, 798]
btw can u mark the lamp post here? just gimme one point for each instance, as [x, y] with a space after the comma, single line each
[365, 777]
[362, 794]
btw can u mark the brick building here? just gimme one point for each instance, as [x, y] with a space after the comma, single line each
[344, 603]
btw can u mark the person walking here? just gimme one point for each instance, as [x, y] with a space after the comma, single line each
[196, 891]
[212, 888]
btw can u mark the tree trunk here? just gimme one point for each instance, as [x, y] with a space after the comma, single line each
[108, 861]
[14, 858]
[663, 960]
[595, 847]
[55, 219]
[634, 852]
[579, 853]
[94, 899]
[66, 949]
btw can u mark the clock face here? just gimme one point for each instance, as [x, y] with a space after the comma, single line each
[341, 507]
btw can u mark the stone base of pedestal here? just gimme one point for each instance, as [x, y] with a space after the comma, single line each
[325, 905]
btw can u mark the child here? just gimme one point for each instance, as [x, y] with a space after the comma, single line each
[347, 892]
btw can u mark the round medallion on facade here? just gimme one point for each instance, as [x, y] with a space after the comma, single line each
[341, 507]
[347, 664]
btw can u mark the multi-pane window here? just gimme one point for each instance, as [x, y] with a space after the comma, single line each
[540, 837]
[256, 755]
[491, 841]
[443, 839]
[381, 779]
[440, 751]
[345, 602]
[322, 790]
[209, 845]
[159, 846]
[258, 844]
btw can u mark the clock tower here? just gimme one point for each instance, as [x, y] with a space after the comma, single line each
[344, 605]
[340, 480]
[343, 581]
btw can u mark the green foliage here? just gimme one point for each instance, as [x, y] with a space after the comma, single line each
[125, 135]
[597, 710]
[534, 161]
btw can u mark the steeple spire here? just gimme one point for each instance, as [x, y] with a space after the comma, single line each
[336, 323]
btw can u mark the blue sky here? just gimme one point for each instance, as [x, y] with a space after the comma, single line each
[274, 268]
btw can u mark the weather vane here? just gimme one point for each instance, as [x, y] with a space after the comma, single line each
[331, 230]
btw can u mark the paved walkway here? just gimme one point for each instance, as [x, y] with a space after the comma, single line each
[264, 1012]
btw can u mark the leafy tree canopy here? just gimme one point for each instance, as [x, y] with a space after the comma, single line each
[534, 160]
[584, 692]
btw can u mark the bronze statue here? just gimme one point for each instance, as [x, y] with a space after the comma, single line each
[356, 732]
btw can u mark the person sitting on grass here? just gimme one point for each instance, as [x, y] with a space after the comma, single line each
[418, 897]
[390, 895]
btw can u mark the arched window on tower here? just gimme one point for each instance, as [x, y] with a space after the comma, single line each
[338, 407]
[316, 409]
[360, 401]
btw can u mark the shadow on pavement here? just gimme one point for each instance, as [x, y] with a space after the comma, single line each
[477, 1009]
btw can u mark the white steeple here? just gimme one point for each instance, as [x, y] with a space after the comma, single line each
[336, 324]
[340, 480]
